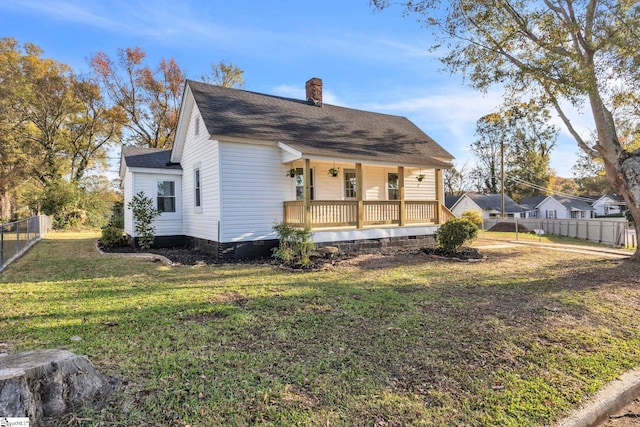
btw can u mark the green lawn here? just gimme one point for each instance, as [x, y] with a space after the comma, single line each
[398, 340]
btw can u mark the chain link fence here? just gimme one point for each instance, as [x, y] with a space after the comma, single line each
[17, 237]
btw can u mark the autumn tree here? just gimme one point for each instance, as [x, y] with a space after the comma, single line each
[53, 127]
[590, 176]
[226, 75]
[14, 162]
[148, 99]
[567, 53]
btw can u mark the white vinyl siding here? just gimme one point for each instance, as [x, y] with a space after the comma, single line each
[253, 188]
[168, 223]
[465, 204]
[128, 195]
[420, 190]
[199, 152]
[550, 207]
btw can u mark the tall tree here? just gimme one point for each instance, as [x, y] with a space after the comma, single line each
[149, 100]
[226, 75]
[456, 180]
[530, 139]
[491, 132]
[566, 52]
[590, 176]
[53, 125]
[14, 162]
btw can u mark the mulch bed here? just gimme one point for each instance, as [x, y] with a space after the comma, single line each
[188, 256]
[177, 255]
[466, 254]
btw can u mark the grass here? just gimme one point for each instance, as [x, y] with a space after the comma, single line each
[397, 340]
[547, 238]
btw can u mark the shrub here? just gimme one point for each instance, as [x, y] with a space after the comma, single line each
[143, 215]
[296, 244]
[454, 233]
[473, 216]
[112, 236]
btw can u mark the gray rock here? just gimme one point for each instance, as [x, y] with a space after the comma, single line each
[328, 251]
[46, 383]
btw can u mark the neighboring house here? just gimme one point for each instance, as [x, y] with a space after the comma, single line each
[560, 207]
[609, 204]
[530, 205]
[242, 161]
[489, 205]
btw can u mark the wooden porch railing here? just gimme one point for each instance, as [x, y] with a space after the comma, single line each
[344, 213]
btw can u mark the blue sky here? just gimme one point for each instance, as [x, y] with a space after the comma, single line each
[369, 60]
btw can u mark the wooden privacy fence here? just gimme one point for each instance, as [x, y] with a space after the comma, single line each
[18, 236]
[610, 231]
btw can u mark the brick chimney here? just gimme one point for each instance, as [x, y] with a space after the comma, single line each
[314, 91]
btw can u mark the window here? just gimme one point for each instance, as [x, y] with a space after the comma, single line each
[197, 130]
[551, 214]
[350, 183]
[166, 196]
[300, 183]
[392, 186]
[196, 187]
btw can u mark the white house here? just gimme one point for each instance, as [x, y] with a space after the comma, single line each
[609, 204]
[242, 161]
[559, 207]
[489, 205]
[530, 205]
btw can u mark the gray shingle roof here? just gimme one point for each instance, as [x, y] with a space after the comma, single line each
[329, 130]
[141, 157]
[449, 201]
[531, 202]
[573, 204]
[492, 202]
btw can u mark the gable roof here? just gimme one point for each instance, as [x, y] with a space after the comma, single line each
[572, 204]
[327, 131]
[531, 202]
[614, 199]
[142, 157]
[449, 201]
[492, 202]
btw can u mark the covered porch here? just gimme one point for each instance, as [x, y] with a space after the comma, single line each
[360, 196]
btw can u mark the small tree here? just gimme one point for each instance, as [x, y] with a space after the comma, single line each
[296, 244]
[143, 214]
[472, 215]
[454, 233]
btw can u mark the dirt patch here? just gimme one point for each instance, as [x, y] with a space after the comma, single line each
[509, 227]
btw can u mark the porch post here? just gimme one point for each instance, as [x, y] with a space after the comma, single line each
[439, 200]
[359, 186]
[402, 214]
[306, 174]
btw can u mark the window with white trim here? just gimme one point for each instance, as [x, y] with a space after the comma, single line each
[196, 188]
[166, 200]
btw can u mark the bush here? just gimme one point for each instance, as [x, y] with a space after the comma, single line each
[143, 214]
[454, 233]
[296, 245]
[473, 216]
[112, 237]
